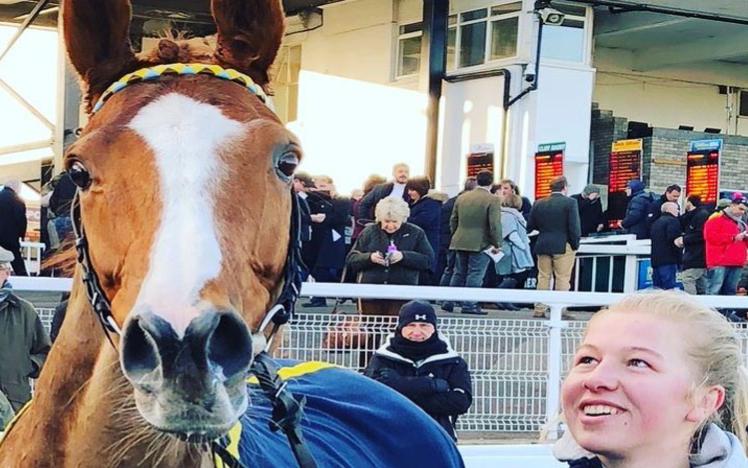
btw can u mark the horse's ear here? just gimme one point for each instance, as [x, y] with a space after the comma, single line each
[249, 35]
[97, 40]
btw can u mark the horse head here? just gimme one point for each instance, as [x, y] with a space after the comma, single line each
[184, 194]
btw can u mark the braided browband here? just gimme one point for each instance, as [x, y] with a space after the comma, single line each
[157, 71]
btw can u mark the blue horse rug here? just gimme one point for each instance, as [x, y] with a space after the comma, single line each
[349, 421]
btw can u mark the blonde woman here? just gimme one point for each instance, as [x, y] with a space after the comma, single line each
[658, 381]
[391, 251]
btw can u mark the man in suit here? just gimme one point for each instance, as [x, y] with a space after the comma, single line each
[476, 227]
[556, 218]
[396, 188]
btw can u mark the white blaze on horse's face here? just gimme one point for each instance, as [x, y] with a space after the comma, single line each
[186, 253]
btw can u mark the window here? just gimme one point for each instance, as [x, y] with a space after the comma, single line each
[409, 49]
[483, 35]
[474, 37]
[743, 108]
[567, 40]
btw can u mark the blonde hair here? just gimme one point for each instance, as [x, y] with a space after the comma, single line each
[512, 200]
[391, 208]
[714, 350]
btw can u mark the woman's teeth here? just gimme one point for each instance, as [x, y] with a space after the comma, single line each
[600, 410]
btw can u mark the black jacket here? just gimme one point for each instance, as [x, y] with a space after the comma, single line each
[654, 209]
[692, 222]
[557, 219]
[635, 221]
[664, 231]
[445, 233]
[369, 202]
[426, 213]
[329, 253]
[62, 195]
[526, 208]
[439, 384]
[409, 239]
[12, 219]
[305, 219]
[590, 214]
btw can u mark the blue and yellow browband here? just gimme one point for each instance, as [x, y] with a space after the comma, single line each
[155, 72]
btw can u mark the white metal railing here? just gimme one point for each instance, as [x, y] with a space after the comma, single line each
[602, 252]
[32, 253]
[518, 364]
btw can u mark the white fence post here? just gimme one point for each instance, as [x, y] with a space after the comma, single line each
[553, 386]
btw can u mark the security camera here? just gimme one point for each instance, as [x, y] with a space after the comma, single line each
[529, 76]
[551, 16]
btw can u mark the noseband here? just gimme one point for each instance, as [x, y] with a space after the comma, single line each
[287, 410]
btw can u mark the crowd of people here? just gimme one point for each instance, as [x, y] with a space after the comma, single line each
[403, 231]
[708, 246]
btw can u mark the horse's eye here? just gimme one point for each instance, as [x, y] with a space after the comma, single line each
[79, 174]
[287, 165]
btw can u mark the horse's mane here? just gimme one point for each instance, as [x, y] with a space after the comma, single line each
[64, 260]
[178, 47]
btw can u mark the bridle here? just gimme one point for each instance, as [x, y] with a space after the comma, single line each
[287, 410]
[279, 314]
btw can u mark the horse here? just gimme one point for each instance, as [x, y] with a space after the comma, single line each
[184, 223]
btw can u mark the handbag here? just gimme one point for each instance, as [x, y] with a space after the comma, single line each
[345, 333]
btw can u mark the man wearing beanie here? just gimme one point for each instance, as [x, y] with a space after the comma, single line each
[590, 210]
[419, 363]
[635, 221]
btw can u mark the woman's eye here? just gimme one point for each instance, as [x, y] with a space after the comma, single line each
[287, 165]
[638, 363]
[79, 174]
[585, 360]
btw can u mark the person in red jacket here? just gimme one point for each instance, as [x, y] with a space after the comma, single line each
[726, 239]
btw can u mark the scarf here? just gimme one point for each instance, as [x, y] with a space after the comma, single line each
[417, 351]
[5, 291]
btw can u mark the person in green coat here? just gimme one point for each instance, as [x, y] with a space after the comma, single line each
[476, 234]
[24, 342]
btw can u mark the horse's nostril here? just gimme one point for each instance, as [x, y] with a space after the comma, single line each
[230, 345]
[140, 354]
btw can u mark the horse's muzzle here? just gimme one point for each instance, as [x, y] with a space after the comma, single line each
[195, 385]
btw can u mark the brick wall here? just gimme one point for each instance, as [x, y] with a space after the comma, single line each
[605, 129]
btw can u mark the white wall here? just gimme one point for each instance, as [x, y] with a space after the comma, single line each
[350, 129]
[353, 120]
[472, 113]
[558, 111]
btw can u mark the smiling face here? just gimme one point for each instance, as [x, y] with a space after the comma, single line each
[629, 390]
[417, 331]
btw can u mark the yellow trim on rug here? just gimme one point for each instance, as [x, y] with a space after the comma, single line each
[298, 370]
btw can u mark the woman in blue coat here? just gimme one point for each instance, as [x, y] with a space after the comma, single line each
[425, 212]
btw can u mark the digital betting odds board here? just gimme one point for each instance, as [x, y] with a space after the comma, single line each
[702, 170]
[625, 165]
[549, 164]
[480, 159]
